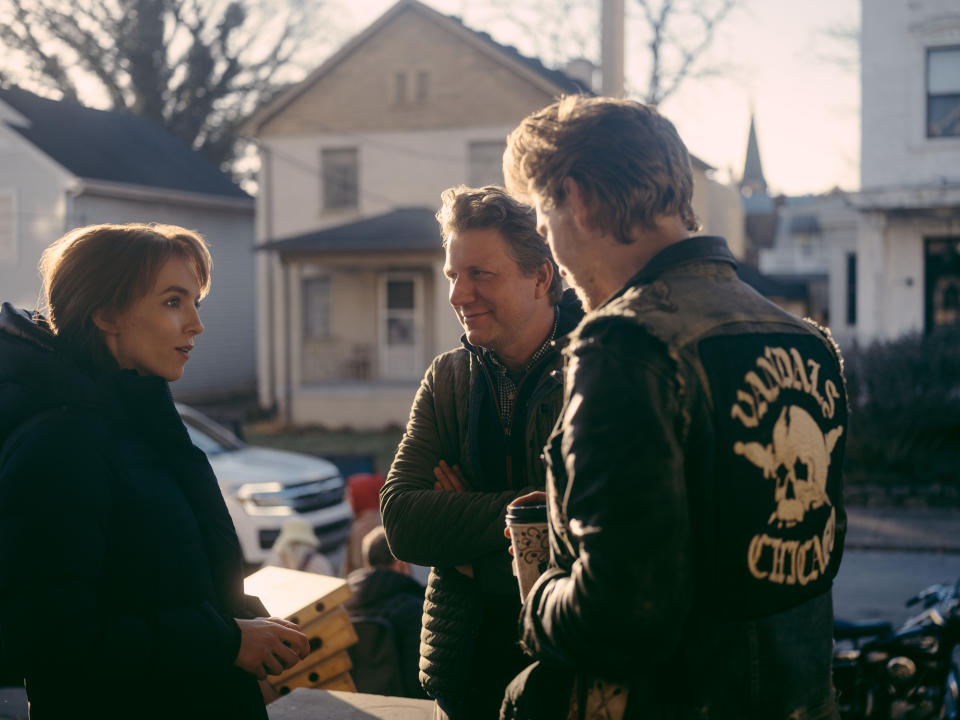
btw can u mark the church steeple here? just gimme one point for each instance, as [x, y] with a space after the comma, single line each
[753, 181]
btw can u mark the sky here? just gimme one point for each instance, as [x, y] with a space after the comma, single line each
[774, 57]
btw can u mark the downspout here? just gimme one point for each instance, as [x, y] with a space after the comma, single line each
[288, 342]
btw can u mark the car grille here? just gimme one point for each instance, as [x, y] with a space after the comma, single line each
[329, 536]
[317, 500]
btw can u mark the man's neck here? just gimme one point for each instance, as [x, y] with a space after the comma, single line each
[618, 262]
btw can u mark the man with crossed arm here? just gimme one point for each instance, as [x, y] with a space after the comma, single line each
[473, 443]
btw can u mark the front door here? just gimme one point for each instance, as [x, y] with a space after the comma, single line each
[942, 288]
[401, 326]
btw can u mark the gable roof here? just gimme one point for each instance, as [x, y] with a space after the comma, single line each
[406, 228]
[553, 82]
[115, 146]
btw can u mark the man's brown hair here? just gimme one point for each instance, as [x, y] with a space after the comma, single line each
[627, 159]
[466, 208]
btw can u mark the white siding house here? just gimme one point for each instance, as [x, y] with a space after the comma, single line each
[816, 242]
[354, 158]
[63, 165]
[909, 226]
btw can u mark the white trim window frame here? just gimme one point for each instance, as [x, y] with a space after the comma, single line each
[339, 179]
[317, 306]
[942, 84]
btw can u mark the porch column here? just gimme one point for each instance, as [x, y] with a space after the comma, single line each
[871, 270]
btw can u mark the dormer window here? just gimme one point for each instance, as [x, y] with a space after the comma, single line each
[943, 92]
[400, 89]
[423, 86]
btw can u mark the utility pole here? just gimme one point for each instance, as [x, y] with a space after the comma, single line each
[611, 47]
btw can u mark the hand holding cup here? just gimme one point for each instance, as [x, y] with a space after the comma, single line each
[527, 530]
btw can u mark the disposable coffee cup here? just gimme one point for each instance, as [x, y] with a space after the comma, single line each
[528, 536]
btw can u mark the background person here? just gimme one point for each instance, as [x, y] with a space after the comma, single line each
[384, 592]
[120, 571]
[472, 445]
[695, 487]
[363, 494]
[296, 548]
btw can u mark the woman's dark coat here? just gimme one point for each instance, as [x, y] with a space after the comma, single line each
[120, 569]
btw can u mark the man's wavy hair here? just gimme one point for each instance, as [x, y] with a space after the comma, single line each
[465, 208]
[627, 158]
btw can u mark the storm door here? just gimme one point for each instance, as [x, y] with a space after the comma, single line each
[401, 326]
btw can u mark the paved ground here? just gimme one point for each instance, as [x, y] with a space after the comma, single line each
[907, 529]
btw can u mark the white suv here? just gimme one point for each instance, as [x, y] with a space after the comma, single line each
[263, 488]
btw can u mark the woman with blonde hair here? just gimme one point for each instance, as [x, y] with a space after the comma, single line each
[121, 579]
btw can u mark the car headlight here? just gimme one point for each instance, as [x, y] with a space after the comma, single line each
[274, 498]
[264, 499]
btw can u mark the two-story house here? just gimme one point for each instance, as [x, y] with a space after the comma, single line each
[63, 165]
[352, 297]
[908, 250]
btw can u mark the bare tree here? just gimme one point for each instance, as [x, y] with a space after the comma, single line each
[677, 34]
[555, 31]
[197, 67]
[840, 46]
[671, 36]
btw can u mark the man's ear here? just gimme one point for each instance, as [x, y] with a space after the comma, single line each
[106, 322]
[576, 201]
[544, 279]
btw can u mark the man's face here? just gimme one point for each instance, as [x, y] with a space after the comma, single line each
[494, 301]
[557, 226]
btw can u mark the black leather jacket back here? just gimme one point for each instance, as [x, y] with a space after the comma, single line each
[695, 494]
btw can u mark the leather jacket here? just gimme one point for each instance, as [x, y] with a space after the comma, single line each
[695, 500]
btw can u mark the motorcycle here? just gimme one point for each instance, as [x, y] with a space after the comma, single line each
[909, 673]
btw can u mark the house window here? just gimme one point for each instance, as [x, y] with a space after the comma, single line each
[8, 228]
[486, 163]
[316, 308]
[339, 178]
[423, 86]
[943, 92]
[851, 288]
[400, 88]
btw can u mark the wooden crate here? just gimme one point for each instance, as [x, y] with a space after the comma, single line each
[316, 674]
[328, 634]
[300, 597]
[344, 683]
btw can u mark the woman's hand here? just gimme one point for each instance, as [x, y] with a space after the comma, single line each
[268, 646]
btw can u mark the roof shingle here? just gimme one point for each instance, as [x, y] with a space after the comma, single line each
[403, 229]
[115, 146]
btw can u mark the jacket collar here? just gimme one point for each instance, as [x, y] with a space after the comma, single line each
[20, 324]
[703, 248]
